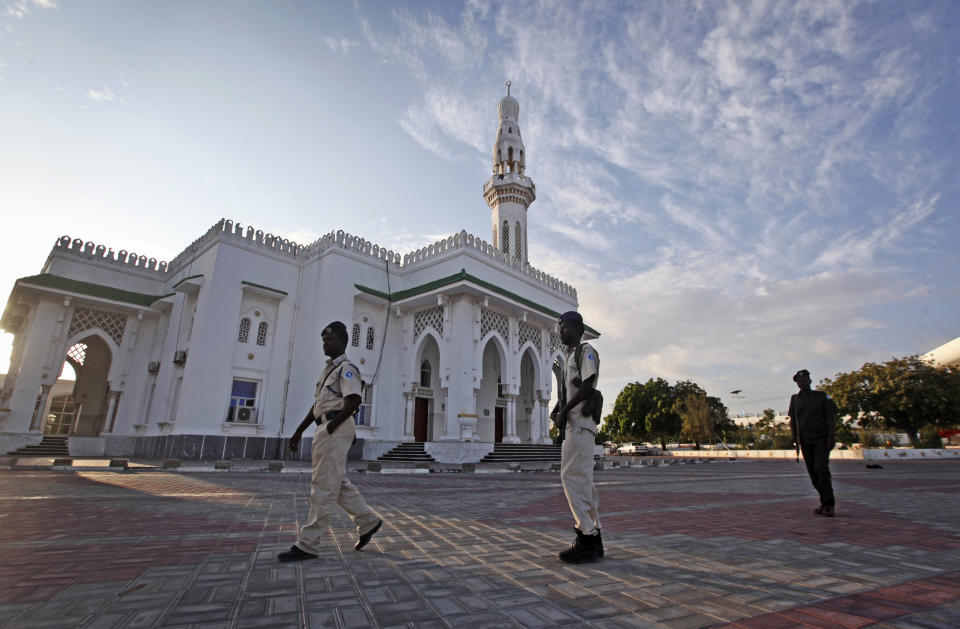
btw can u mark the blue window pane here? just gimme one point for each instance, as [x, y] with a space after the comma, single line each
[244, 389]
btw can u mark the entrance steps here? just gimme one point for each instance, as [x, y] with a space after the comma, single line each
[411, 452]
[48, 446]
[508, 452]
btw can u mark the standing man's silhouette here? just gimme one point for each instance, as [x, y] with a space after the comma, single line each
[813, 427]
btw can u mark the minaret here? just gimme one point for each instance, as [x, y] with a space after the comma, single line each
[509, 192]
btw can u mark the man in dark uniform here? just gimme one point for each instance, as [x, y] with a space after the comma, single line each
[813, 428]
[337, 398]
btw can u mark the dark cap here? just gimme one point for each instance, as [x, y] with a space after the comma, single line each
[571, 315]
[337, 328]
[802, 372]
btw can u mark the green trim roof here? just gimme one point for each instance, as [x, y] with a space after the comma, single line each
[462, 276]
[192, 277]
[275, 290]
[46, 280]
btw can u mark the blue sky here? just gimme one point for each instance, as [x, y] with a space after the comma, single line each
[738, 190]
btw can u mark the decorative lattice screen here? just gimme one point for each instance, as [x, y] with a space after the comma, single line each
[529, 333]
[555, 343]
[493, 320]
[112, 323]
[424, 319]
[78, 353]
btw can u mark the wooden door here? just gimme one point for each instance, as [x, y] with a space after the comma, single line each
[498, 425]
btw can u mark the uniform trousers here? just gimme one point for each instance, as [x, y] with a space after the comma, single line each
[330, 487]
[816, 456]
[576, 474]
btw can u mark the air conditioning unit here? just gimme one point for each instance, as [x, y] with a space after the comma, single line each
[180, 357]
[153, 367]
[246, 414]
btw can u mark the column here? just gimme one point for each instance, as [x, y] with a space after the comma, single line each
[112, 404]
[40, 415]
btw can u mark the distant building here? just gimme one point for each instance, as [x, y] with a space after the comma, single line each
[217, 353]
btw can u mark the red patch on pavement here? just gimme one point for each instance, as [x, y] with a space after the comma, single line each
[698, 515]
[864, 608]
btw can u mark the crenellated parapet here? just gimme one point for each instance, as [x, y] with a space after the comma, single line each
[463, 240]
[228, 230]
[92, 251]
[342, 240]
[456, 242]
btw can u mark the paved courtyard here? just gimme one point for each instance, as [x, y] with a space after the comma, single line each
[689, 545]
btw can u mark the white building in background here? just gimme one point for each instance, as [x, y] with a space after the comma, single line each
[216, 354]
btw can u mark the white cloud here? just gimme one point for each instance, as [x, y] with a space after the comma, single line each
[340, 44]
[106, 95]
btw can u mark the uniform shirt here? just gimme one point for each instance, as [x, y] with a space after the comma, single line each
[812, 411]
[589, 366]
[336, 386]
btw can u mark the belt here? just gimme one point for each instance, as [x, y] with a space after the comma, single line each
[326, 417]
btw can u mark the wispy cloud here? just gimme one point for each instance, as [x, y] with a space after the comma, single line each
[106, 95]
[340, 44]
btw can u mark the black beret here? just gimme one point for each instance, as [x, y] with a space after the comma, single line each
[337, 328]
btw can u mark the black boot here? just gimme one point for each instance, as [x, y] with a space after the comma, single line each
[599, 543]
[586, 548]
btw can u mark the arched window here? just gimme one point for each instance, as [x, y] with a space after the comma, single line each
[370, 335]
[355, 337]
[518, 244]
[505, 237]
[244, 334]
[425, 372]
[262, 333]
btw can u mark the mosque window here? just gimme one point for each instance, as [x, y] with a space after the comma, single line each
[244, 334]
[262, 333]
[505, 237]
[518, 242]
[370, 335]
[243, 401]
[355, 335]
[425, 372]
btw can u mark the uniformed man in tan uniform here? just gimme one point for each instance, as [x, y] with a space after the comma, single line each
[337, 398]
[576, 459]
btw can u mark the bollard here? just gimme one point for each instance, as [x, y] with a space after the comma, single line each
[468, 468]
[275, 466]
[374, 466]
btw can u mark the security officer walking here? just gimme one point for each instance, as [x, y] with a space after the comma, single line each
[337, 398]
[813, 427]
[580, 372]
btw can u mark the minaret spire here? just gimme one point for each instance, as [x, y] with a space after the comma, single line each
[509, 192]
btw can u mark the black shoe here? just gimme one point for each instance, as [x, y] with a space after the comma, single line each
[365, 538]
[599, 543]
[295, 554]
[586, 548]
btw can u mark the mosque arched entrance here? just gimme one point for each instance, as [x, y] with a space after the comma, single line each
[491, 404]
[427, 390]
[528, 410]
[85, 411]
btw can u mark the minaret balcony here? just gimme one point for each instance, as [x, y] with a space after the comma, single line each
[507, 179]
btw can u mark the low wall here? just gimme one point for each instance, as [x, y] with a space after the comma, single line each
[857, 454]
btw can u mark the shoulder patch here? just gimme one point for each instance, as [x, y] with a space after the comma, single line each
[589, 356]
[348, 373]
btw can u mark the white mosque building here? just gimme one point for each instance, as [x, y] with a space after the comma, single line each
[216, 353]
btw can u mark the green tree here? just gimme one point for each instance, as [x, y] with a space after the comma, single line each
[695, 417]
[902, 394]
